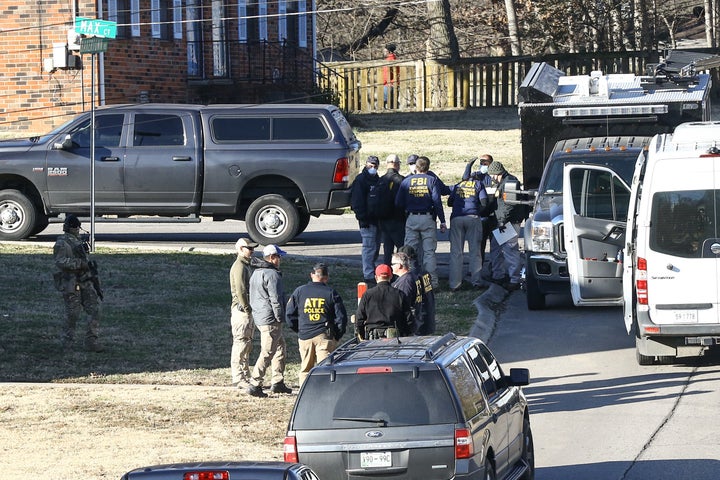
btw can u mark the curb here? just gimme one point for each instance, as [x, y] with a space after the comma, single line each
[486, 304]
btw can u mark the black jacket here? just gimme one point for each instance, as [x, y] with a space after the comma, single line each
[360, 192]
[315, 308]
[383, 306]
[505, 212]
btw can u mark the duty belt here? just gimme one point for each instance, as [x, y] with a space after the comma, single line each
[419, 213]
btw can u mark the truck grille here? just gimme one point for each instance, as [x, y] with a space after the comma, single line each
[560, 239]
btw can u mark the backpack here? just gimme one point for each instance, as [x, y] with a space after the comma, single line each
[374, 207]
[387, 189]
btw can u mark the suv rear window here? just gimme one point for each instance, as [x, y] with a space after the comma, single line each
[397, 398]
[252, 129]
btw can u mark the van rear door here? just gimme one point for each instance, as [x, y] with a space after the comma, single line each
[595, 206]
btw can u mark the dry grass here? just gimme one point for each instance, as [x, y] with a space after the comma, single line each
[159, 393]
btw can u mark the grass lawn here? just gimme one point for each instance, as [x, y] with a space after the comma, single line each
[159, 393]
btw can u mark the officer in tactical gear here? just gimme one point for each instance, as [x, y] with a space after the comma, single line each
[77, 280]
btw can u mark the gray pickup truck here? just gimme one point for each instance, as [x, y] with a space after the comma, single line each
[273, 166]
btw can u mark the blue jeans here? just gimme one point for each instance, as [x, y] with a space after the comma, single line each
[370, 247]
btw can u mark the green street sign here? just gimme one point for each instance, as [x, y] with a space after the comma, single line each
[95, 27]
[93, 45]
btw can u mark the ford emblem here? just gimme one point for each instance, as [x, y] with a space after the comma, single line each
[374, 434]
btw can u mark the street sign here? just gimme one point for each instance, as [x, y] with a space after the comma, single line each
[93, 45]
[95, 27]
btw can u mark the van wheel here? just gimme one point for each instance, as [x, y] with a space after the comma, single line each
[272, 219]
[528, 451]
[642, 359]
[666, 359]
[489, 470]
[18, 215]
[535, 299]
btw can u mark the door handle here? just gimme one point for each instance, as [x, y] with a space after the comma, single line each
[181, 159]
[109, 159]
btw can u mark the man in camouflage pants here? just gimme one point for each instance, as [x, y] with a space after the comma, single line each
[75, 280]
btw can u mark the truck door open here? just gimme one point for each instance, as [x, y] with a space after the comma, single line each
[595, 202]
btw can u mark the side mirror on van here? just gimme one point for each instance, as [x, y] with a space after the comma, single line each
[518, 377]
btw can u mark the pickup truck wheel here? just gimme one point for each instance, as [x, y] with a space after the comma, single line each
[17, 215]
[272, 219]
[304, 222]
[535, 299]
[40, 225]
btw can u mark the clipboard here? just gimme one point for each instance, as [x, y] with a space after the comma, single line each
[502, 237]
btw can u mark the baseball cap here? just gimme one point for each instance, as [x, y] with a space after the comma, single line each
[383, 270]
[245, 242]
[392, 158]
[273, 250]
[374, 160]
[412, 159]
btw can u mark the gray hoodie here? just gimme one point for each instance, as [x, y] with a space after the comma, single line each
[267, 298]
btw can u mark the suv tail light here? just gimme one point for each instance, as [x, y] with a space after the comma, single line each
[463, 443]
[290, 453]
[342, 170]
[641, 281]
[207, 475]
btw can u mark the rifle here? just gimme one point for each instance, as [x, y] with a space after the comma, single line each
[82, 251]
[95, 279]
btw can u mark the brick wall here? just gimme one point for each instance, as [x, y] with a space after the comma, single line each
[35, 100]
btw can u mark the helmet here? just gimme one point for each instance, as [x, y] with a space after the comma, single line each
[71, 221]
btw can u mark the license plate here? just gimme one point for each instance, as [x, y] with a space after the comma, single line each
[375, 459]
[685, 316]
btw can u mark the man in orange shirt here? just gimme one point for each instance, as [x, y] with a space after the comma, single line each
[391, 77]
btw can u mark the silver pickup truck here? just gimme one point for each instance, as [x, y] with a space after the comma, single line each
[273, 166]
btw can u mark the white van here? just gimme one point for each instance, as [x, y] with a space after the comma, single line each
[654, 246]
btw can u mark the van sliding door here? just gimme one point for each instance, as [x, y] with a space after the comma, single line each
[595, 206]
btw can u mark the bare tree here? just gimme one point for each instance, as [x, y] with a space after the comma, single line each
[513, 28]
[442, 42]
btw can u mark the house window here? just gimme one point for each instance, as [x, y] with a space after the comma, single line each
[292, 23]
[248, 21]
[193, 14]
[119, 12]
[262, 20]
[302, 19]
[177, 19]
[282, 20]
[219, 39]
[135, 18]
[160, 19]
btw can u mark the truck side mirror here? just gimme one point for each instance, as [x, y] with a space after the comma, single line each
[518, 377]
[66, 144]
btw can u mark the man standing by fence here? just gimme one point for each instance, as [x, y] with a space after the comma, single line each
[391, 77]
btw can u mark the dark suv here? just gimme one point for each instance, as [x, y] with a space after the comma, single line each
[413, 408]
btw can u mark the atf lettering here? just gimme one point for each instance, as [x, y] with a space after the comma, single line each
[314, 308]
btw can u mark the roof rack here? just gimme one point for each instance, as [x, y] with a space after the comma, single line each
[441, 342]
[429, 353]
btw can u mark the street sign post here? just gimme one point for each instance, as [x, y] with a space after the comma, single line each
[95, 40]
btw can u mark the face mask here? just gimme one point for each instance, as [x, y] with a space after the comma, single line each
[372, 171]
[483, 169]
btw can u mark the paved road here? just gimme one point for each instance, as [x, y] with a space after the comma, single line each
[333, 236]
[596, 414]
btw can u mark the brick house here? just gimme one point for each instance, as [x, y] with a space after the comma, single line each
[183, 51]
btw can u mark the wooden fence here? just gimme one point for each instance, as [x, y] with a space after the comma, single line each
[426, 85]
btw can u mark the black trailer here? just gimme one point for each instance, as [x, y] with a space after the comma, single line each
[554, 106]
